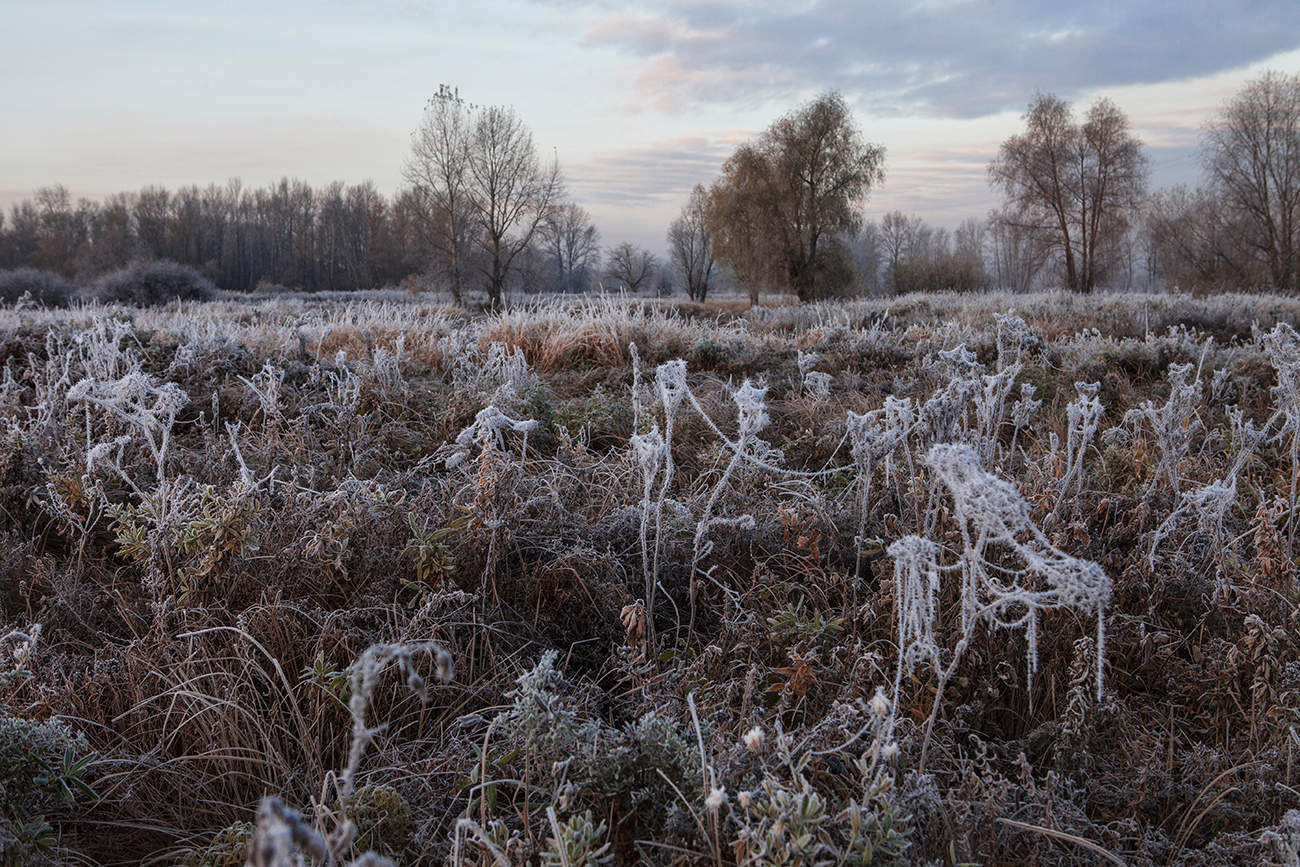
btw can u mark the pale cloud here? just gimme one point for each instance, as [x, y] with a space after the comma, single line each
[949, 59]
[652, 174]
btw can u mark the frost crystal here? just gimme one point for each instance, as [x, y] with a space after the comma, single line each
[991, 512]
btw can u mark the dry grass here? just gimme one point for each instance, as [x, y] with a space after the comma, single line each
[205, 650]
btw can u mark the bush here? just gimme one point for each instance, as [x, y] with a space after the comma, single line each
[41, 769]
[150, 284]
[45, 287]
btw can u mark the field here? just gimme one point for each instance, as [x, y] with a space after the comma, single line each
[939, 579]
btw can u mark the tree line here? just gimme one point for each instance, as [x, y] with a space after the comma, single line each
[481, 211]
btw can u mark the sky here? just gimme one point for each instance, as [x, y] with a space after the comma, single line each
[640, 102]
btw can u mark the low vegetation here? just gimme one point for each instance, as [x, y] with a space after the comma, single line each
[941, 579]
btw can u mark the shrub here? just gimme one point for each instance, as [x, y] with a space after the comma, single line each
[229, 848]
[45, 287]
[150, 284]
[41, 769]
[383, 818]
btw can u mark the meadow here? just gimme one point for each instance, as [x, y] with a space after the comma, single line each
[934, 579]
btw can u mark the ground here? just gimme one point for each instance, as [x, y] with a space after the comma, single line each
[641, 612]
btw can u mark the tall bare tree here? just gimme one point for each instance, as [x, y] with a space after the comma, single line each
[511, 192]
[630, 266]
[1199, 243]
[898, 233]
[1017, 252]
[1253, 158]
[1075, 186]
[438, 170]
[782, 201]
[690, 245]
[572, 246]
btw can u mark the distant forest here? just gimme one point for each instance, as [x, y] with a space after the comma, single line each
[291, 234]
[482, 212]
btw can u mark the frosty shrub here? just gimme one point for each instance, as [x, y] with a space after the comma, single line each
[283, 835]
[487, 433]
[1014, 336]
[818, 384]
[874, 438]
[1022, 413]
[1284, 841]
[990, 406]
[1082, 417]
[265, 386]
[1282, 348]
[751, 418]
[149, 284]
[945, 415]
[992, 515]
[148, 409]
[42, 765]
[43, 288]
[1173, 424]
[1209, 504]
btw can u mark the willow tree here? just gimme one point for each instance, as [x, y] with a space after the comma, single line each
[783, 199]
[1075, 187]
[1253, 157]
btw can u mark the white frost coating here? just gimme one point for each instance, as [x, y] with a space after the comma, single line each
[1174, 423]
[670, 380]
[1082, 415]
[487, 432]
[916, 583]
[818, 384]
[751, 410]
[1210, 504]
[1282, 348]
[1022, 413]
[1013, 335]
[875, 436]
[265, 387]
[991, 512]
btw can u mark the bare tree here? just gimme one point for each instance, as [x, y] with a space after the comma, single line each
[510, 191]
[690, 245]
[438, 170]
[1017, 251]
[572, 245]
[1075, 184]
[1253, 158]
[781, 203]
[866, 249]
[898, 234]
[1199, 243]
[630, 266]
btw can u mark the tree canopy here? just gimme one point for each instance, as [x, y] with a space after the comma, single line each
[775, 212]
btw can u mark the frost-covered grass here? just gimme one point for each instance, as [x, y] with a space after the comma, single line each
[985, 578]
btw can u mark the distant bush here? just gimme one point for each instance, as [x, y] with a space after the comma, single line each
[267, 287]
[45, 287]
[149, 284]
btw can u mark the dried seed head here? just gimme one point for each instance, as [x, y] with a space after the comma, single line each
[717, 797]
[446, 670]
[879, 704]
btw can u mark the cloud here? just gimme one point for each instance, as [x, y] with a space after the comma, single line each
[657, 173]
[945, 59]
